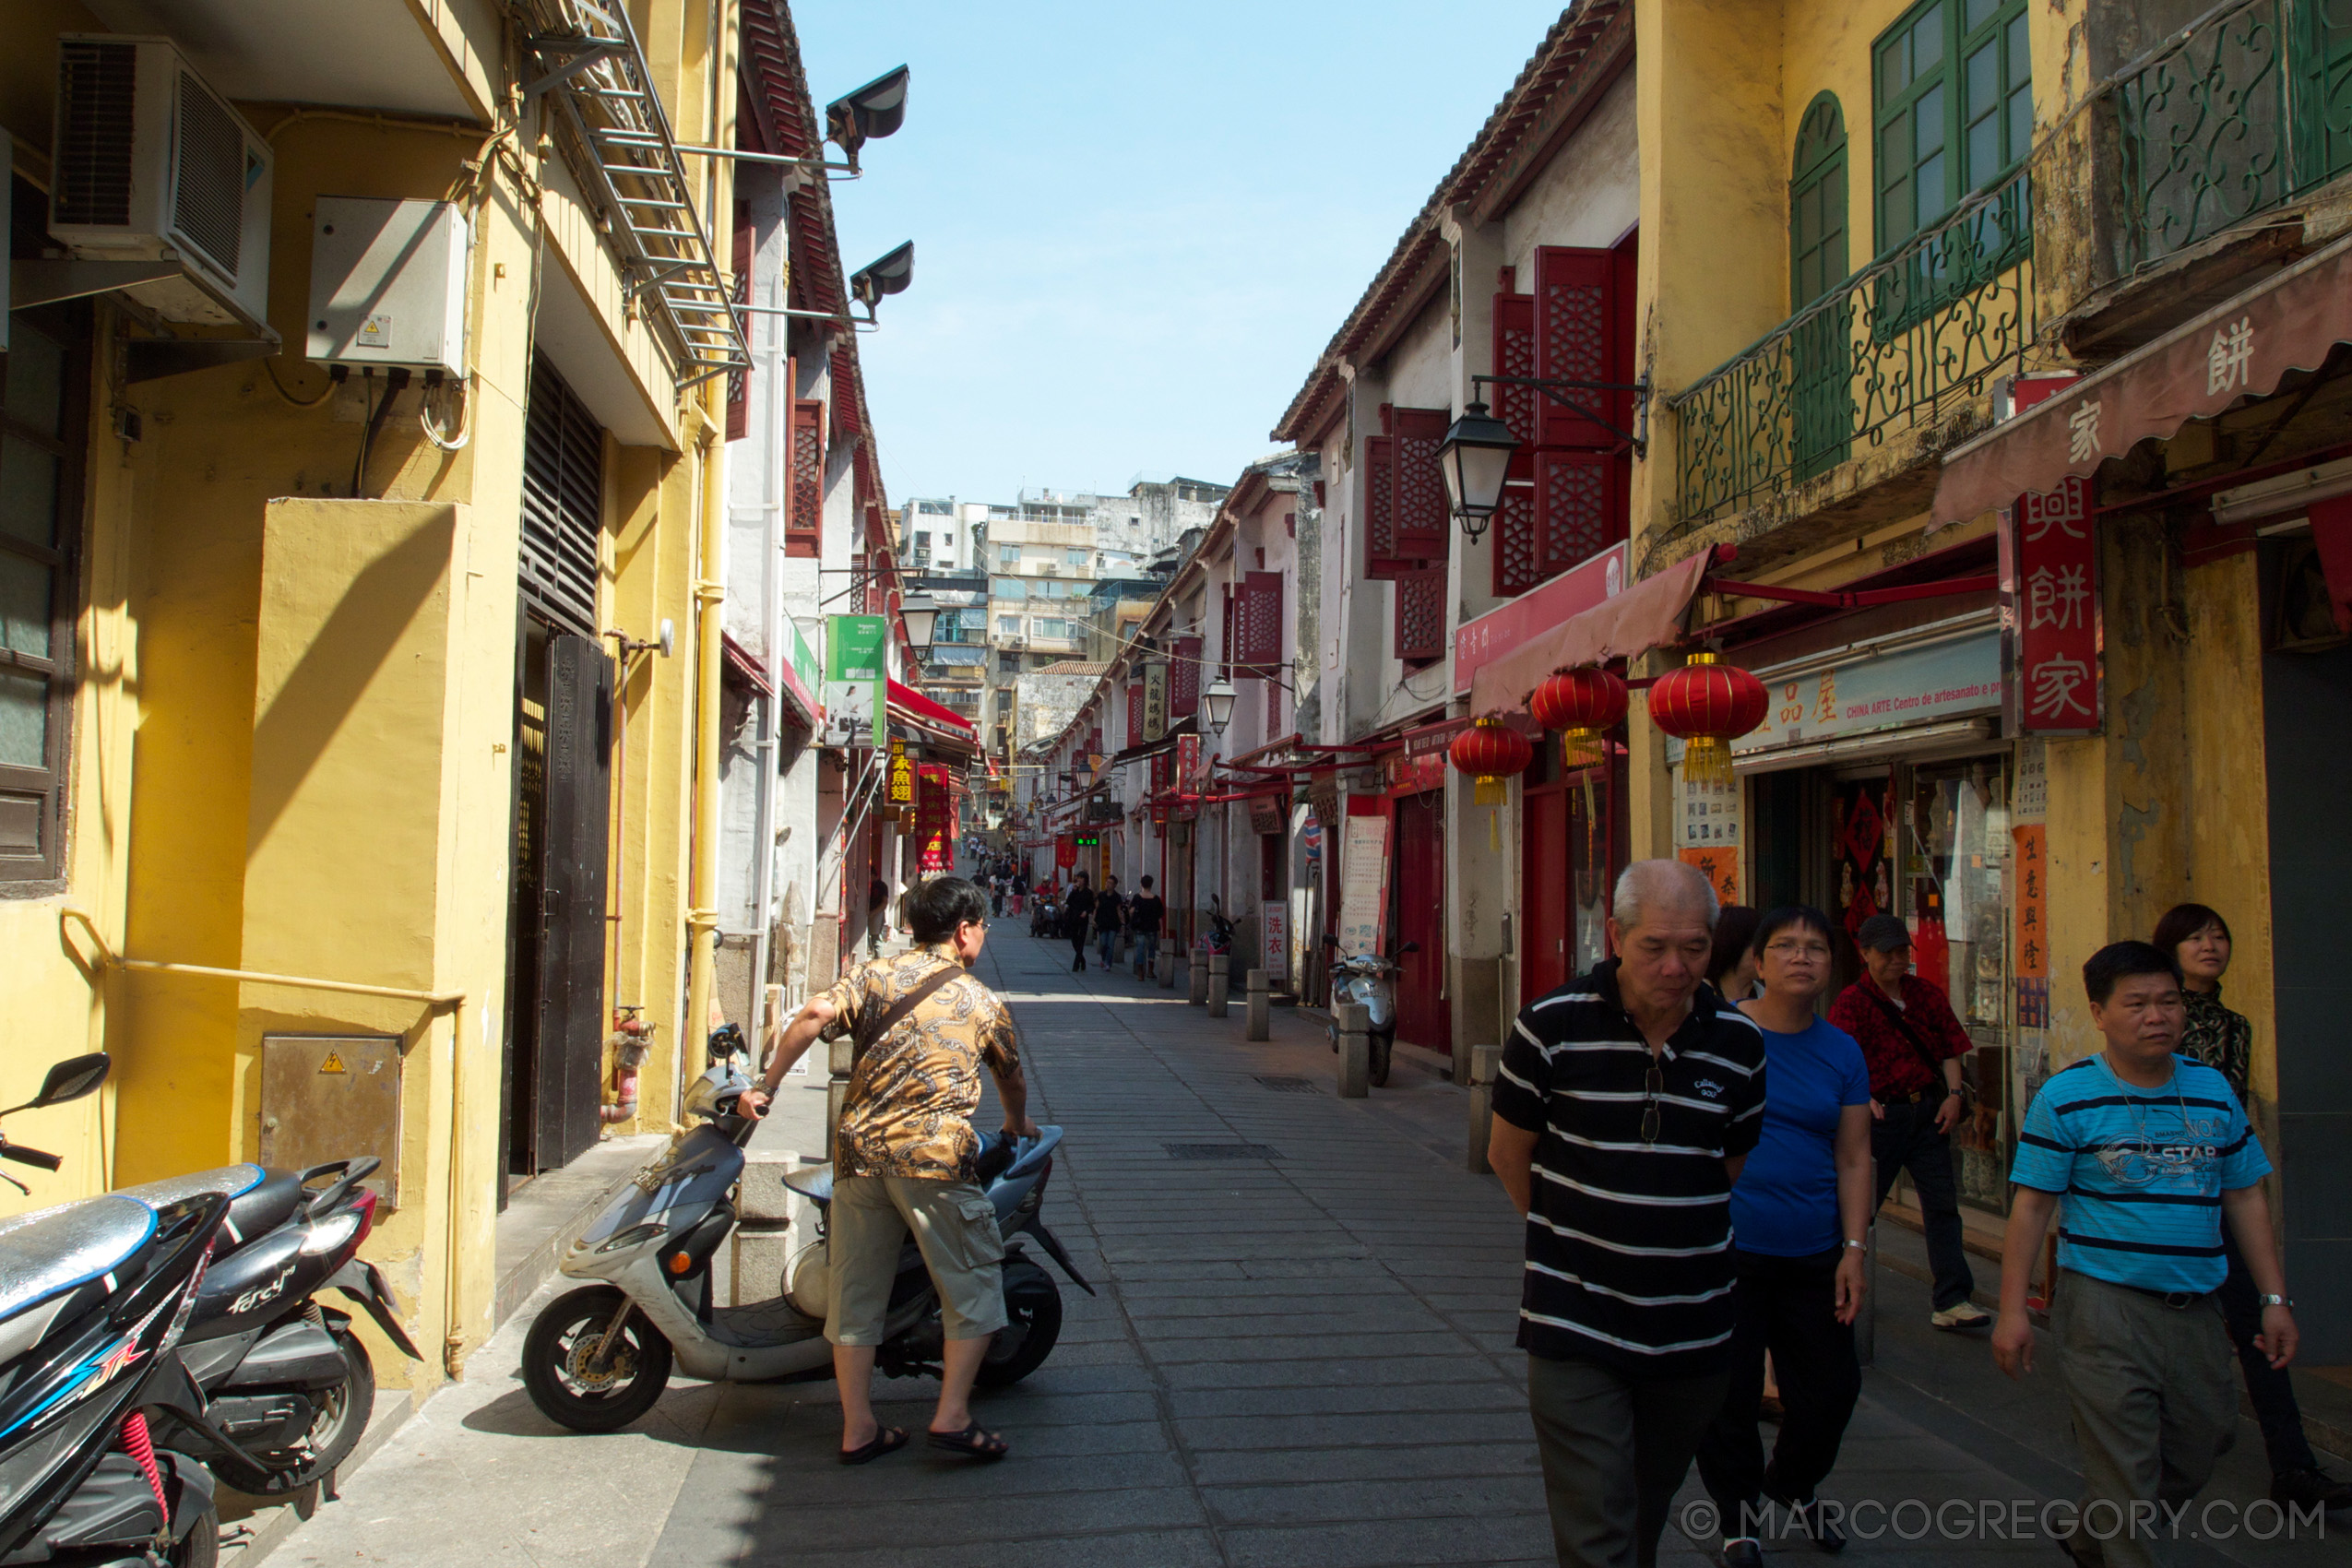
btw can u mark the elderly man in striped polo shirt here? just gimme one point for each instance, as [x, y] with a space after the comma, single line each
[1629, 1098]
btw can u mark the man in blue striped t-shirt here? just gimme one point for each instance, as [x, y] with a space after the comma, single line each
[2152, 1153]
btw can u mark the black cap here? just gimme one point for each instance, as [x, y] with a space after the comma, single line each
[1883, 933]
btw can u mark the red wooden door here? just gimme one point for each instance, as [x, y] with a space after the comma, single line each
[1422, 1017]
[1544, 902]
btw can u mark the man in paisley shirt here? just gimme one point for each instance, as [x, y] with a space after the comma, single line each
[904, 1156]
[2198, 940]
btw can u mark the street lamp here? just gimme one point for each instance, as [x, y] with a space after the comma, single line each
[1475, 457]
[921, 618]
[1218, 700]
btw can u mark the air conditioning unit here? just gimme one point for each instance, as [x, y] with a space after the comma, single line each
[1049, 568]
[151, 164]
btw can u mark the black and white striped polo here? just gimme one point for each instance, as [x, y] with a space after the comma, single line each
[1629, 1242]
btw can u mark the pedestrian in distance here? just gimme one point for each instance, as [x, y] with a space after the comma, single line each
[2198, 940]
[996, 895]
[1020, 890]
[1799, 1218]
[1110, 919]
[1077, 916]
[1914, 1044]
[877, 914]
[904, 1158]
[2155, 1159]
[1733, 966]
[1147, 912]
[1627, 1102]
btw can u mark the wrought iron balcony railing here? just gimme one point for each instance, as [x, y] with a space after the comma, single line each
[2241, 112]
[1894, 346]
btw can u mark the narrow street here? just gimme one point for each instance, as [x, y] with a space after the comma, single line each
[1302, 1356]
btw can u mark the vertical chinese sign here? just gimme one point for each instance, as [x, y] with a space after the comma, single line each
[1155, 701]
[2052, 583]
[1707, 830]
[2030, 909]
[935, 816]
[900, 785]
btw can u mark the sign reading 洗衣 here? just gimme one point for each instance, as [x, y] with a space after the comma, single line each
[854, 672]
[1274, 938]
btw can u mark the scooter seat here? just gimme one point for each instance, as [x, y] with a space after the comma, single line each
[815, 1183]
[52, 1251]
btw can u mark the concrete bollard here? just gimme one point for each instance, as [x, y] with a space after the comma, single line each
[1200, 977]
[1167, 964]
[1486, 1062]
[1220, 982]
[1261, 997]
[761, 1247]
[1355, 1049]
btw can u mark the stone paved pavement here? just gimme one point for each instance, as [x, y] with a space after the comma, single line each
[1298, 1358]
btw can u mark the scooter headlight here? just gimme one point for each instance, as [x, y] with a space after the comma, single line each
[635, 1236]
[329, 1234]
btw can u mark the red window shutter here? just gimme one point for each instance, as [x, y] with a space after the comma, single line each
[1580, 507]
[1135, 713]
[1184, 677]
[1226, 596]
[1379, 507]
[804, 517]
[1258, 621]
[1094, 741]
[1517, 552]
[1421, 509]
[1515, 354]
[1420, 614]
[1273, 710]
[739, 385]
[845, 402]
[1577, 331]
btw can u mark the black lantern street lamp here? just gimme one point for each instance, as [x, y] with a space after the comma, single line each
[921, 618]
[1476, 457]
[1218, 700]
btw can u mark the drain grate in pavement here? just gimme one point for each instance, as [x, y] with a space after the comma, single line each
[1221, 1151]
[1283, 1084]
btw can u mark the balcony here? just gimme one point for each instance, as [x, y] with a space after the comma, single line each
[2240, 116]
[1899, 346]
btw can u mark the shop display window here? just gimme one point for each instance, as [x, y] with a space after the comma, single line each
[1956, 850]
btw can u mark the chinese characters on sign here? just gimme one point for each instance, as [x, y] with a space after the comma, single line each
[1155, 701]
[1274, 931]
[1706, 831]
[934, 817]
[902, 774]
[2054, 599]
[1363, 882]
[2230, 357]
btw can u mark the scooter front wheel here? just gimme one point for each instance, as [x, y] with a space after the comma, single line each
[575, 1386]
[1377, 1069]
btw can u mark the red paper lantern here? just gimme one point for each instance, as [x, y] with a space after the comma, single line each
[1580, 702]
[1491, 751]
[1708, 705]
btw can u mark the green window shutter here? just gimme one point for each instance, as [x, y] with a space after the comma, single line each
[1954, 110]
[1817, 198]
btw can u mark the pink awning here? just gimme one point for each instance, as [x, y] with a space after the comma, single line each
[1647, 615]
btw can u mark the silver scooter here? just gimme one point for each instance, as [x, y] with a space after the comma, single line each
[599, 1357]
[1370, 981]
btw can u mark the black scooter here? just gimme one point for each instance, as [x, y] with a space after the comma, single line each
[284, 1376]
[93, 1298]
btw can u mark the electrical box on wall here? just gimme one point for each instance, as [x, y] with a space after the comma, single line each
[388, 284]
[333, 1096]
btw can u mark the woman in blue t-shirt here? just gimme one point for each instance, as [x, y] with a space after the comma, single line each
[1798, 1218]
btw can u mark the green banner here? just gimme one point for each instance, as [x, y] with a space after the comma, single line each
[854, 672]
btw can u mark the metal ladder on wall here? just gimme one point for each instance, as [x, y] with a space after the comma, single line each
[595, 72]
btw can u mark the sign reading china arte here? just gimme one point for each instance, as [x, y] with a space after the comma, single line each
[2052, 592]
[1942, 681]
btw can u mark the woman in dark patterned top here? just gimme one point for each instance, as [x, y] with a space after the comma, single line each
[2197, 938]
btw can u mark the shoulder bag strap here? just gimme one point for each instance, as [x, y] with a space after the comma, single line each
[1901, 1019]
[867, 1039]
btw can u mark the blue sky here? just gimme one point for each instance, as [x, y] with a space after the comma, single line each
[1136, 225]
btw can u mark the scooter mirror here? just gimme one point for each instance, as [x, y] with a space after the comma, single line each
[71, 1079]
[1409, 947]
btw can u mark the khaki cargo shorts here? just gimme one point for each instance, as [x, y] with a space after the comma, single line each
[955, 1227]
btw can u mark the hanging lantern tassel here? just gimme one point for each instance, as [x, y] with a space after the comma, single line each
[1490, 752]
[1708, 705]
[1580, 703]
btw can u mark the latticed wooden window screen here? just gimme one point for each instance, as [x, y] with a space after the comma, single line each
[1184, 677]
[1135, 713]
[1421, 512]
[1257, 621]
[1576, 321]
[805, 522]
[1515, 354]
[1576, 327]
[1518, 547]
[1380, 506]
[562, 520]
[1420, 615]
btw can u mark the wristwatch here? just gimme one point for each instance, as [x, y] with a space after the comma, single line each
[1858, 1246]
[2272, 1300]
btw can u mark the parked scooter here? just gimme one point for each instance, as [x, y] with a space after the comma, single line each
[284, 1376]
[599, 1357]
[1369, 981]
[1218, 937]
[93, 1296]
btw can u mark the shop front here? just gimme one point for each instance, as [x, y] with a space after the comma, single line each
[1879, 784]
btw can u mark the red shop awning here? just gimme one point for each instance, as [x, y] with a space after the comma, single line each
[2238, 348]
[1647, 615]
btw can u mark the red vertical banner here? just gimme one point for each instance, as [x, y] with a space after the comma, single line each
[2053, 592]
[935, 817]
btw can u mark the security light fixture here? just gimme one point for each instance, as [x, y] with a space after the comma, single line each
[1218, 700]
[921, 617]
[1475, 457]
[888, 276]
[872, 113]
